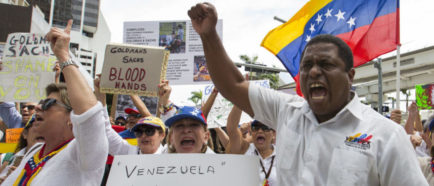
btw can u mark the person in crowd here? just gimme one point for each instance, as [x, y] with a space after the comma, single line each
[72, 123]
[188, 131]
[427, 162]
[120, 120]
[149, 131]
[261, 145]
[13, 118]
[327, 138]
[414, 128]
[29, 140]
[133, 115]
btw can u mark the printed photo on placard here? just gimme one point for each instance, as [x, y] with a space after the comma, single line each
[172, 36]
[200, 72]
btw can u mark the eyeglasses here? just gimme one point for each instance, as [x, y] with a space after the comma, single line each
[148, 131]
[47, 103]
[256, 128]
[29, 107]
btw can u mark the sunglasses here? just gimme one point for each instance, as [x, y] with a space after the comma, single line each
[264, 128]
[148, 131]
[47, 103]
[29, 107]
[120, 123]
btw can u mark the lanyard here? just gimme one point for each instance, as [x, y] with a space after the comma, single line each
[267, 174]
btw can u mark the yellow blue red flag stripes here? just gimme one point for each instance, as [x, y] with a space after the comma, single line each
[369, 27]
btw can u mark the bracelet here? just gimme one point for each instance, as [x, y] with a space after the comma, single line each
[167, 108]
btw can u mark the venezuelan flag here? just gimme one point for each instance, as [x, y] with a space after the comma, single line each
[369, 27]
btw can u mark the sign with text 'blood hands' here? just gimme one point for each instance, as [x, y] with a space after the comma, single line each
[133, 69]
[27, 68]
[185, 169]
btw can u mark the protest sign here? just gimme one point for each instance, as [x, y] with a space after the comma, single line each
[185, 169]
[124, 101]
[13, 135]
[132, 69]
[187, 60]
[27, 68]
[221, 108]
[425, 96]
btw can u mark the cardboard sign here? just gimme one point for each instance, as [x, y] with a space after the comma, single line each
[132, 69]
[425, 96]
[187, 63]
[185, 169]
[27, 68]
[13, 135]
[218, 115]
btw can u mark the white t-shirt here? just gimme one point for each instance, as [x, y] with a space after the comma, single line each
[310, 153]
[272, 179]
[82, 161]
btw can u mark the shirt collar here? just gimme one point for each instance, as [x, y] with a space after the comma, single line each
[354, 107]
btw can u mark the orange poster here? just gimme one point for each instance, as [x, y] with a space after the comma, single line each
[13, 135]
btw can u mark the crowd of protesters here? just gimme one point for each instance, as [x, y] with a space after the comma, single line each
[326, 138]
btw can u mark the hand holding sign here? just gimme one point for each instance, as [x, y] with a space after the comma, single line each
[164, 91]
[59, 41]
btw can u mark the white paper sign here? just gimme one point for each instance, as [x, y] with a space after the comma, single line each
[27, 68]
[218, 115]
[187, 61]
[185, 169]
[132, 69]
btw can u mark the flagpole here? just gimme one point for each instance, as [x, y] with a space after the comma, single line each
[398, 76]
[398, 58]
[51, 12]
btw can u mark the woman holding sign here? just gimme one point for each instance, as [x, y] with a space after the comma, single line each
[261, 146]
[149, 131]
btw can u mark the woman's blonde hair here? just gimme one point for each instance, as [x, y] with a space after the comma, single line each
[61, 89]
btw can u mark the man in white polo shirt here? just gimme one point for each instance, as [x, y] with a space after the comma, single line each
[328, 138]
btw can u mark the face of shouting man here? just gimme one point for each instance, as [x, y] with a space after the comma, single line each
[325, 80]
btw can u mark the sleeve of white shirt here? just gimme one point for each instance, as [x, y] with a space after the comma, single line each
[89, 132]
[267, 103]
[117, 145]
[398, 164]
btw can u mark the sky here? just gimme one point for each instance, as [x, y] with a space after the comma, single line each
[246, 22]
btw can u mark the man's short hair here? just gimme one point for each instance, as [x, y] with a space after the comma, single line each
[61, 89]
[344, 51]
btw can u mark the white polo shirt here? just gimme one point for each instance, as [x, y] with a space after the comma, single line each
[310, 153]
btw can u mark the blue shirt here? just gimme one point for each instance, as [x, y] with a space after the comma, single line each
[11, 117]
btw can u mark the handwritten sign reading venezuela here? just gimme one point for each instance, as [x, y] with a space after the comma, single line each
[133, 69]
[27, 68]
[185, 169]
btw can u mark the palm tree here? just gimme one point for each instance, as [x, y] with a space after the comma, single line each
[196, 97]
[247, 59]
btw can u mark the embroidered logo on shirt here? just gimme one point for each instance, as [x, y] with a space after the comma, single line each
[359, 141]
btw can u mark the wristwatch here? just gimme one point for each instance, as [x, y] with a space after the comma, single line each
[67, 63]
